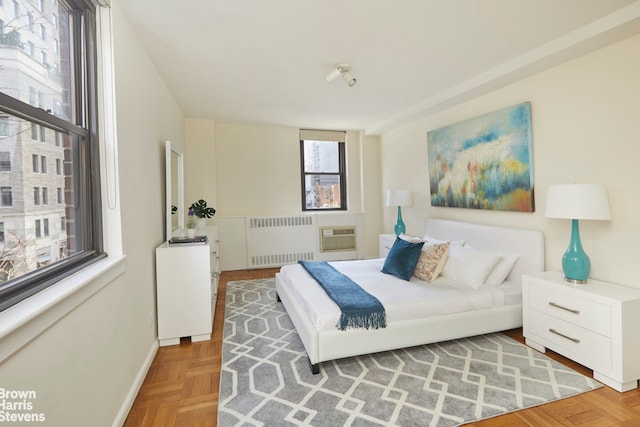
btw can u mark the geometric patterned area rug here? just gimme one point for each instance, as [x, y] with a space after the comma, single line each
[266, 379]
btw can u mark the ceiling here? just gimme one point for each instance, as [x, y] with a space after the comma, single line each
[265, 61]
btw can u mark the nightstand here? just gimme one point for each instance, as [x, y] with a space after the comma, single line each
[386, 241]
[594, 324]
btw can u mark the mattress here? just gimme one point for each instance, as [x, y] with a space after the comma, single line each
[402, 300]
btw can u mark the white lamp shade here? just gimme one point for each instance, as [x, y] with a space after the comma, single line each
[577, 201]
[398, 198]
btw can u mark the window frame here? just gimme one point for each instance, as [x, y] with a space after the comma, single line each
[82, 128]
[332, 136]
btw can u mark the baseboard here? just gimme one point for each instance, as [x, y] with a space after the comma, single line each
[135, 386]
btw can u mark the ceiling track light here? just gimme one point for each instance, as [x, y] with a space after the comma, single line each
[344, 71]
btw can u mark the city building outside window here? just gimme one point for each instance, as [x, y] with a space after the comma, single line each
[323, 170]
[65, 76]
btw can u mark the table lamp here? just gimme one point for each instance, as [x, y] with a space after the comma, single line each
[399, 198]
[576, 202]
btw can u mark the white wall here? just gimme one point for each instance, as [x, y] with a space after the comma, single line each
[85, 366]
[258, 173]
[586, 129]
[200, 163]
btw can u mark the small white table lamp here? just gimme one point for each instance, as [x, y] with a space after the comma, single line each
[399, 198]
[575, 202]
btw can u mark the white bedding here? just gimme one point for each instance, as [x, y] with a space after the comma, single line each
[402, 300]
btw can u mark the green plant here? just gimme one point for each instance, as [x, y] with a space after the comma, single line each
[201, 210]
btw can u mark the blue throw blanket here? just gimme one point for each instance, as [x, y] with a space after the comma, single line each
[359, 308]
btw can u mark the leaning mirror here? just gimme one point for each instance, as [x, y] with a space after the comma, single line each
[174, 215]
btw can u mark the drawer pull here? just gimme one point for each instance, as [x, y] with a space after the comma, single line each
[575, 340]
[571, 310]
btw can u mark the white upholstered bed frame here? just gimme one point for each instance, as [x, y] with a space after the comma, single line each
[328, 345]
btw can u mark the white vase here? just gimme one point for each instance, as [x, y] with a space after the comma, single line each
[191, 233]
[202, 224]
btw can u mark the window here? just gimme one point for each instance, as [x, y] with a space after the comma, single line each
[30, 21]
[74, 124]
[58, 166]
[59, 193]
[63, 224]
[5, 161]
[6, 198]
[1, 231]
[40, 99]
[35, 163]
[16, 9]
[56, 48]
[322, 161]
[4, 126]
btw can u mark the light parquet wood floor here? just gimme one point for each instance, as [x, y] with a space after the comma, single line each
[181, 387]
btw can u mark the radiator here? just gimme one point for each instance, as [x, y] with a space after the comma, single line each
[278, 240]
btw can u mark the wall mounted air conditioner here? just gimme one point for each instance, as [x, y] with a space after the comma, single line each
[334, 238]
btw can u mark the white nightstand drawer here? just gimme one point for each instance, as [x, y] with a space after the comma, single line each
[571, 308]
[386, 241]
[579, 344]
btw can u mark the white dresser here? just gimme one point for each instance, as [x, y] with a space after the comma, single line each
[595, 324]
[187, 284]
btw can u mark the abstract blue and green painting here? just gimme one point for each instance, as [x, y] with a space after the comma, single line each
[483, 163]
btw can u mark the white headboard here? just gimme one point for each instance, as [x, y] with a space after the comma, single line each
[529, 244]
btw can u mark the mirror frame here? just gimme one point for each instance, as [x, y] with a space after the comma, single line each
[170, 151]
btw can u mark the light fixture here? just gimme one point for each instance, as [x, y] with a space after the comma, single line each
[575, 202]
[344, 71]
[399, 198]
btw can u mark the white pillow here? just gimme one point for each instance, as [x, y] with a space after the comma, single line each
[411, 239]
[469, 266]
[501, 270]
[434, 240]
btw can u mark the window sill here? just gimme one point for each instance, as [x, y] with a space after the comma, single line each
[29, 318]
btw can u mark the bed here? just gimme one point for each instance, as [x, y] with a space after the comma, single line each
[424, 319]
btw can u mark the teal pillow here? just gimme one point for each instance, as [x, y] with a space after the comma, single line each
[402, 258]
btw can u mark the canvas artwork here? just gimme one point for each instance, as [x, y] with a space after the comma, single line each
[484, 162]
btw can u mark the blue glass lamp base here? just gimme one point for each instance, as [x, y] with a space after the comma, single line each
[399, 228]
[575, 262]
